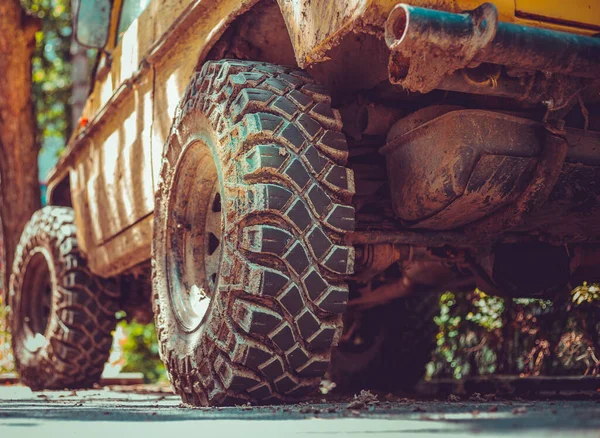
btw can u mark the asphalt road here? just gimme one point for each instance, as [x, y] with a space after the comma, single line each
[109, 414]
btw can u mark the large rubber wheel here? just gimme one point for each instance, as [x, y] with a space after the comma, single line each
[61, 315]
[390, 347]
[251, 209]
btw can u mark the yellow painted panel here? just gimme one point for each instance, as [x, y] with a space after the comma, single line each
[568, 12]
[144, 94]
[133, 46]
[106, 89]
[131, 248]
[113, 184]
[166, 12]
[78, 178]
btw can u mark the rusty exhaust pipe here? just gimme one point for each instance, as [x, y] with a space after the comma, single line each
[428, 44]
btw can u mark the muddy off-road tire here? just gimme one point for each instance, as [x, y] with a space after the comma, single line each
[395, 344]
[61, 315]
[251, 209]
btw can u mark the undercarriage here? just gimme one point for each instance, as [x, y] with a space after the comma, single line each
[514, 214]
[492, 180]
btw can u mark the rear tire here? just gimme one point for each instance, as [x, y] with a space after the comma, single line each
[248, 306]
[396, 344]
[61, 315]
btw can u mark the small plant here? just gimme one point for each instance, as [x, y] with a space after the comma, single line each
[479, 334]
[469, 325]
[6, 356]
[140, 351]
[586, 294]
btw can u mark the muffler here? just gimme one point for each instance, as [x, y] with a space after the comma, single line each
[428, 44]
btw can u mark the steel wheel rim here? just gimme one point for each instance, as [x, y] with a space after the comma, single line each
[36, 300]
[194, 233]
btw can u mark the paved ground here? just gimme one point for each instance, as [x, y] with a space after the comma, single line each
[110, 414]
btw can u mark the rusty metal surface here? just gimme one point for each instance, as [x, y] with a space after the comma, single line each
[419, 118]
[373, 259]
[528, 87]
[438, 239]
[430, 166]
[365, 118]
[516, 266]
[535, 194]
[427, 45]
[573, 207]
[385, 272]
[317, 26]
[442, 179]
[495, 181]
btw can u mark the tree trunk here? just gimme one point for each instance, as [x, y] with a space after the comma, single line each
[79, 75]
[19, 185]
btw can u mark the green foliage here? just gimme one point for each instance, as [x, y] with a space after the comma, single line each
[479, 334]
[488, 311]
[51, 67]
[465, 324]
[140, 351]
[6, 358]
[586, 294]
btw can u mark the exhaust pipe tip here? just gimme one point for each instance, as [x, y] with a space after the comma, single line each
[441, 41]
[474, 28]
[396, 26]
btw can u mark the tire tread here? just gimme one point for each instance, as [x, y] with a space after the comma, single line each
[274, 126]
[80, 328]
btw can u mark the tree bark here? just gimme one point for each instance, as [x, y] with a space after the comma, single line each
[19, 184]
[79, 75]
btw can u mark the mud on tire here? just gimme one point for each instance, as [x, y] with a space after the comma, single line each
[61, 316]
[275, 311]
